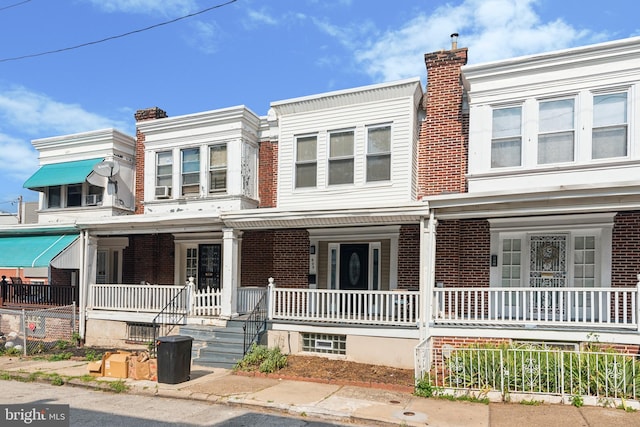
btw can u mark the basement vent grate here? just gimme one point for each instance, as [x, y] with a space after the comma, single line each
[139, 333]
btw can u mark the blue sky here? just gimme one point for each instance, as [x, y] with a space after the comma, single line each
[248, 52]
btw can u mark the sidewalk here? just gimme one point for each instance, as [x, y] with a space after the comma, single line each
[342, 403]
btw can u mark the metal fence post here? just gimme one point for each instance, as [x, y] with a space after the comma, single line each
[24, 330]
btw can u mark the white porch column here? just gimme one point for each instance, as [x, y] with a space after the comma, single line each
[230, 271]
[87, 275]
[427, 272]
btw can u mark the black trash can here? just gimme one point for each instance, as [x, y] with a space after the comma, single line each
[174, 359]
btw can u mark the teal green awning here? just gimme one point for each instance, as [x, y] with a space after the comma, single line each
[61, 174]
[32, 251]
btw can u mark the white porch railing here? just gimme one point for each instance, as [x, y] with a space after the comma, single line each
[600, 307]
[206, 302]
[133, 298]
[342, 306]
[248, 298]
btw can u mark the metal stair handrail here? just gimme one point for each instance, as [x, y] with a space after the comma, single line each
[255, 323]
[171, 315]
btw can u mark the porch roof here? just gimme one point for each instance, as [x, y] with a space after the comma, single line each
[33, 250]
[75, 172]
[275, 218]
[546, 201]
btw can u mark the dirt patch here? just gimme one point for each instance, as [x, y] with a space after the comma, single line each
[343, 371]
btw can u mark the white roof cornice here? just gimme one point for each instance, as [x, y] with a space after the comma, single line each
[238, 113]
[403, 88]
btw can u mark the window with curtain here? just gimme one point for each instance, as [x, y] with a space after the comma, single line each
[190, 171]
[609, 132]
[556, 131]
[341, 157]
[164, 169]
[306, 161]
[217, 168]
[379, 153]
[506, 137]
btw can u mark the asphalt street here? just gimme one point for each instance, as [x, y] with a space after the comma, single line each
[89, 408]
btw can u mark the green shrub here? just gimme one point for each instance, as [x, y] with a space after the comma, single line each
[263, 359]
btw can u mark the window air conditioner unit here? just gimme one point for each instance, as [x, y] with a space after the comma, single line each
[163, 192]
[93, 199]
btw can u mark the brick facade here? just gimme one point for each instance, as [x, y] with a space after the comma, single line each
[409, 257]
[281, 254]
[142, 115]
[268, 174]
[150, 258]
[463, 253]
[442, 152]
[626, 249]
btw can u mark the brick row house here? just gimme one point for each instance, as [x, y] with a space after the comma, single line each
[501, 204]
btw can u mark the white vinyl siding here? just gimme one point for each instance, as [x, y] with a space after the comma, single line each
[397, 113]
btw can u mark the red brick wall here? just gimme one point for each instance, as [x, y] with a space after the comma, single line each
[626, 249]
[143, 115]
[149, 257]
[60, 277]
[283, 255]
[442, 151]
[409, 257]
[463, 253]
[257, 257]
[268, 174]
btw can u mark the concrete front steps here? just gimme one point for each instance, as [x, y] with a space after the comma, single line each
[216, 346]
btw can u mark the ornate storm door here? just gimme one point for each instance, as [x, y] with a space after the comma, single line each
[548, 269]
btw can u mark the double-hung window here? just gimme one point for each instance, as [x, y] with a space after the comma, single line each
[54, 196]
[217, 168]
[341, 157]
[379, 153]
[609, 132]
[164, 173]
[306, 161]
[506, 137]
[556, 131]
[190, 171]
[74, 195]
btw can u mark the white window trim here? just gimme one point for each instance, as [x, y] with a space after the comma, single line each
[366, 152]
[352, 157]
[294, 173]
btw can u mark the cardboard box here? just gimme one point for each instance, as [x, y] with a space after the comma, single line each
[116, 365]
[95, 369]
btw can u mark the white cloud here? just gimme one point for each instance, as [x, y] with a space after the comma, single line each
[262, 17]
[19, 159]
[205, 36]
[31, 113]
[491, 29]
[151, 7]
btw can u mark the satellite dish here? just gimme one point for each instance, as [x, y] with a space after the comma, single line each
[107, 168]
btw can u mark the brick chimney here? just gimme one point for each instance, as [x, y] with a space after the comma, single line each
[442, 151]
[152, 113]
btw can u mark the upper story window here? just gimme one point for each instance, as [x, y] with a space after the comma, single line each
[54, 197]
[94, 195]
[506, 138]
[556, 131]
[164, 173]
[74, 195]
[190, 171]
[341, 157]
[306, 161]
[609, 132]
[379, 153]
[217, 168]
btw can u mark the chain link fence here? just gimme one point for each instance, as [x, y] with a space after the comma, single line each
[38, 331]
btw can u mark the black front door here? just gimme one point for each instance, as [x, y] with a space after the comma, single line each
[209, 266]
[354, 266]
